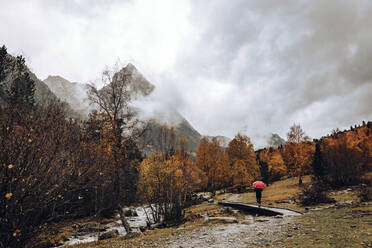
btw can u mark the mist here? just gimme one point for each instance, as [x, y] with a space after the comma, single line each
[254, 67]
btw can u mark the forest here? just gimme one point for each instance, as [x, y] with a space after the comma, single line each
[54, 167]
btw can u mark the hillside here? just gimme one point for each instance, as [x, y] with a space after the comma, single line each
[43, 95]
[223, 140]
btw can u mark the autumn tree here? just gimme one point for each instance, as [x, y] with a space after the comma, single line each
[271, 164]
[240, 152]
[213, 161]
[166, 183]
[298, 153]
[344, 159]
[113, 103]
[167, 140]
[240, 175]
[50, 171]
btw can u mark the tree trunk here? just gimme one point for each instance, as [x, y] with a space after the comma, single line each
[124, 221]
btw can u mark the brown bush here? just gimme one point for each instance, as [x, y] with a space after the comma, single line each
[314, 194]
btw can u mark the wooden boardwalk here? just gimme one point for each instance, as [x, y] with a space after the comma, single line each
[255, 210]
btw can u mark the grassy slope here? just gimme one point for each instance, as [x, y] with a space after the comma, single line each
[349, 226]
[273, 195]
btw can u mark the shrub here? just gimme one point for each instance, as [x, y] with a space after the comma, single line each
[365, 193]
[314, 194]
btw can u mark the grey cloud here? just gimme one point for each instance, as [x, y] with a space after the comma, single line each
[239, 65]
[285, 57]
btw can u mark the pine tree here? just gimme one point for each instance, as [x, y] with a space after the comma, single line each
[3, 62]
[264, 169]
[22, 91]
[318, 163]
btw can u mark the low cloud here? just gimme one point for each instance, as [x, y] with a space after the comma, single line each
[247, 66]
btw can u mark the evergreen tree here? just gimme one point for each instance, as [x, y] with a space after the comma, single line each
[22, 88]
[264, 169]
[3, 62]
[318, 163]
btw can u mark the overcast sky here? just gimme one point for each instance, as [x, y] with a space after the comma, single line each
[254, 67]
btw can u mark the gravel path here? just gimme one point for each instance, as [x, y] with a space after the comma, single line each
[263, 231]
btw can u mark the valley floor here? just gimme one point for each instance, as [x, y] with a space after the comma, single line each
[347, 223]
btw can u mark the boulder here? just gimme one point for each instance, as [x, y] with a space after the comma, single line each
[204, 196]
[109, 235]
[130, 212]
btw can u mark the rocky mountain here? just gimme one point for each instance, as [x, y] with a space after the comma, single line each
[72, 93]
[275, 140]
[140, 87]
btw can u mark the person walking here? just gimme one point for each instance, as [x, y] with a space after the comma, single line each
[258, 187]
[258, 196]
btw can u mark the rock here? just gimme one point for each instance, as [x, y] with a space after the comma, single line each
[211, 200]
[235, 211]
[259, 233]
[108, 235]
[204, 196]
[130, 212]
[222, 220]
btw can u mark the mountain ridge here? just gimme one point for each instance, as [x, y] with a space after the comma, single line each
[139, 87]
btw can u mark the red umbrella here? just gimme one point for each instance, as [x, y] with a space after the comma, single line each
[259, 185]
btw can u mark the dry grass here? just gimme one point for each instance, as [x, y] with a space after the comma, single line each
[349, 226]
[274, 194]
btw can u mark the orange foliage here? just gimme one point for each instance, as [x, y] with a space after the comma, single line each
[240, 152]
[213, 161]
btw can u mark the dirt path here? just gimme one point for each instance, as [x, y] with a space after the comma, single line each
[257, 232]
